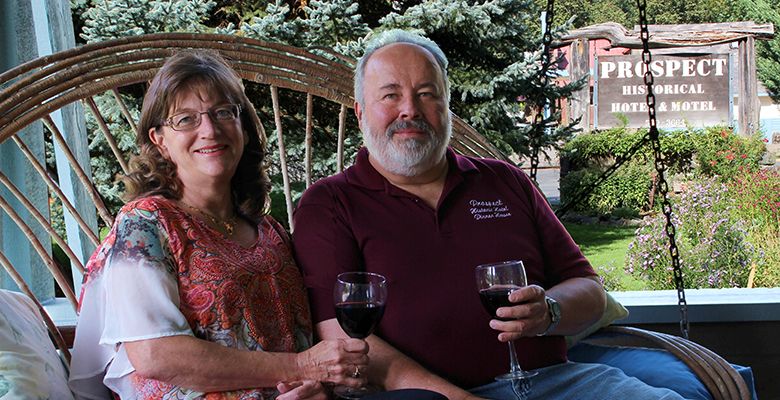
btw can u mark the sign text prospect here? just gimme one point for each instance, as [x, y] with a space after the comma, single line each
[689, 90]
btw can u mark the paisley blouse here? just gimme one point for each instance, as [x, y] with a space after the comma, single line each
[163, 272]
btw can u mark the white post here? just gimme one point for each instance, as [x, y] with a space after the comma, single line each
[42, 27]
[19, 46]
[53, 16]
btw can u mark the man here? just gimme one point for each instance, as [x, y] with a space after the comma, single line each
[412, 210]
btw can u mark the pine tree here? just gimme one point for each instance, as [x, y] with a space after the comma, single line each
[331, 24]
[494, 55]
[767, 51]
[493, 47]
[109, 19]
[494, 51]
[336, 24]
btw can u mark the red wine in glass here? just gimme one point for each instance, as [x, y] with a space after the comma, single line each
[357, 318]
[496, 297]
[360, 303]
[494, 283]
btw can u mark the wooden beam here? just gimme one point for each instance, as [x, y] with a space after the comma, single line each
[748, 88]
[580, 101]
[672, 35]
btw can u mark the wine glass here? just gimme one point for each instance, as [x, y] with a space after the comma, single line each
[360, 302]
[495, 282]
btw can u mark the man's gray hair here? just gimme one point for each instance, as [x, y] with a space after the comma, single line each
[393, 36]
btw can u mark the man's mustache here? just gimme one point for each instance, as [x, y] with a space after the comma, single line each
[413, 124]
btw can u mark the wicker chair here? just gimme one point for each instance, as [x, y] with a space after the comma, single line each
[32, 92]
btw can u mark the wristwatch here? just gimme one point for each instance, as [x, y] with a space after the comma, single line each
[554, 309]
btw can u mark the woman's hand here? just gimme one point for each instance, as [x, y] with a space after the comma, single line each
[310, 390]
[338, 361]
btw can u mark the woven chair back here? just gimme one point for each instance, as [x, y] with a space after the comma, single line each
[286, 84]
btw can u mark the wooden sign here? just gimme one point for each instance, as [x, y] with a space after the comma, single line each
[690, 90]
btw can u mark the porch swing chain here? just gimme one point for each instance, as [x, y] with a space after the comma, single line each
[660, 167]
[541, 100]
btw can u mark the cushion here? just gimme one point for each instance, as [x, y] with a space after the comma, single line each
[613, 312]
[656, 367]
[30, 367]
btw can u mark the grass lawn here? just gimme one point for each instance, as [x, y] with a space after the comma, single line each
[606, 246]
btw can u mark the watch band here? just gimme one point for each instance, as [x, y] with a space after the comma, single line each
[554, 310]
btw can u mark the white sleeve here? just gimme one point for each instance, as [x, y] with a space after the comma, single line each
[134, 296]
[142, 302]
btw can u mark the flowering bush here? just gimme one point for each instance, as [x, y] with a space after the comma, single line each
[713, 245]
[721, 152]
[611, 277]
[757, 198]
[757, 195]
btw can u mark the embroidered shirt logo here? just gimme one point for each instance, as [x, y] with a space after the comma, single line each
[488, 209]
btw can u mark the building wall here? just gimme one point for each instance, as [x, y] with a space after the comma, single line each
[770, 118]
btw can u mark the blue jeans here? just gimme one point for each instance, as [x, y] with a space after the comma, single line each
[579, 381]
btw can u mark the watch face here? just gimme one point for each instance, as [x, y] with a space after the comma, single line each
[555, 309]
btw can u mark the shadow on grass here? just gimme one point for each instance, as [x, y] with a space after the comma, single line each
[605, 247]
[593, 237]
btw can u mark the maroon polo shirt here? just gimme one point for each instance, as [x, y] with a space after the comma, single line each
[489, 211]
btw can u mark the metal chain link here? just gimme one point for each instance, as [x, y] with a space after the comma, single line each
[538, 127]
[660, 167]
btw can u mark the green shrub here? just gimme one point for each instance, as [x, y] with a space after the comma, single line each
[589, 154]
[596, 147]
[627, 189]
[625, 213]
[715, 151]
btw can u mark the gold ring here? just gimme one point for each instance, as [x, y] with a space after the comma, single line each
[356, 374]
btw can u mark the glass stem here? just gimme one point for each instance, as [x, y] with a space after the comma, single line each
[514, 366]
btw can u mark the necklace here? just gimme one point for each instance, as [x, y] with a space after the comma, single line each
[229, 224]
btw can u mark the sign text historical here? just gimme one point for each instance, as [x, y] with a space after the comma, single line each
[689, 90]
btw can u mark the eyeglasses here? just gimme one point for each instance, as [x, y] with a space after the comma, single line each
[189, 120]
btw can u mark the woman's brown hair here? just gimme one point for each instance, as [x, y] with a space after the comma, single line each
[152, 174]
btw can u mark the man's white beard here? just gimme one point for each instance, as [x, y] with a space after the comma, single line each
[411, 156]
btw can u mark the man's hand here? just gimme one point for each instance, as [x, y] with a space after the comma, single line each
[581, 301]
[529, 317]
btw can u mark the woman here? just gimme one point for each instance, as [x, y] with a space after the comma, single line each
[195, 292]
